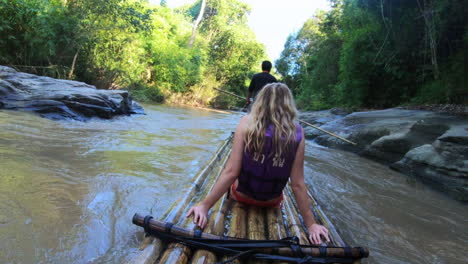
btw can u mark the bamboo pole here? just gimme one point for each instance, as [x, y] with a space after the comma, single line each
[215, 227]
[301, 121]
[241, 231]
[178, 252]
[176, 212]
[333, 232]
[255, 223]
[215, 223]
[320, 217]
[237, 226]
[158, 226]
[335, 237]
[149, 253]
[233, 94]
[275, 226]
[327, 132]
[214, 110]
[256, 226]
[294, 225]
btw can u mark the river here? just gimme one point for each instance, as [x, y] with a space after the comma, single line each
[69, 189]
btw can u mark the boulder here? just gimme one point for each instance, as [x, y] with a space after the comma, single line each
[444, 163]
[59, 99]
[431, 146]
[318, 118]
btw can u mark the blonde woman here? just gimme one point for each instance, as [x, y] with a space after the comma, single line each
[268, 150]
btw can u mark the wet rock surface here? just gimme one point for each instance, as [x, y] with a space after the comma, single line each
[431, 146]
[59, 99]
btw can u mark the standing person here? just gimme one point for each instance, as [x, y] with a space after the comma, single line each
[259, 80]
[268, 150]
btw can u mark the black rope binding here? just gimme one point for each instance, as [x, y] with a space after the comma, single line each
[146, 223]
[197, 233]
[347, 252]
[296, 248]
[168, 227]
[323, 251]
[240, 254]
[362, 253]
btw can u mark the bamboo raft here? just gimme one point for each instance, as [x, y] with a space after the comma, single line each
[230, 218]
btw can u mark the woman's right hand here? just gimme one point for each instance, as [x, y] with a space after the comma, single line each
[316, 232]
[200, 215]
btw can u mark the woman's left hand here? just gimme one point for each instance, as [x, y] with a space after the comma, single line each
[316, 232]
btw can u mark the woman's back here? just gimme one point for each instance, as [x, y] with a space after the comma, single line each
[263, 173]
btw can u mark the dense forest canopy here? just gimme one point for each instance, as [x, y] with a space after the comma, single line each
[133, 45]
[380, 53]
[360, 53]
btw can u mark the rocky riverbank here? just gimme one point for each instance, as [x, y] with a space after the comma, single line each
[432, 146]
[59, 99]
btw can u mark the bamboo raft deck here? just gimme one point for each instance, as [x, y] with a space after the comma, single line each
[230, 218]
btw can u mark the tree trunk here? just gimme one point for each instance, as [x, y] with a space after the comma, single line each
[428, 14]
[70, 75]
[195, 25]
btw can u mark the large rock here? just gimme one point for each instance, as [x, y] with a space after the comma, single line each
[319, 118]
[58, 99]
[431, 146]
[443, 163]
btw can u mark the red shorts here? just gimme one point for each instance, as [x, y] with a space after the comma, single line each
[237, 197]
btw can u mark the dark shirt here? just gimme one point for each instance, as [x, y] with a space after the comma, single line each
[259, 80]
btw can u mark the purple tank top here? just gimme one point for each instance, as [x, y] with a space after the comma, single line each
[263, 176]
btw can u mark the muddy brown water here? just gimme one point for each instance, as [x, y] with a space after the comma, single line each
[69, 189]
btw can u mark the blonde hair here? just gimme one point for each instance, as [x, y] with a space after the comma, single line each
[274, 105]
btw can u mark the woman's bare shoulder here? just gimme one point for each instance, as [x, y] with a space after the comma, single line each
[243, 124]
[244, 120]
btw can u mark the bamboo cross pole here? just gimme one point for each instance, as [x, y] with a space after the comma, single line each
[340, 252]
[301, 121]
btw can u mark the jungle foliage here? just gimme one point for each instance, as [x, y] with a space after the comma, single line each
[379, 53]
[360, 53]
[133, 45]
